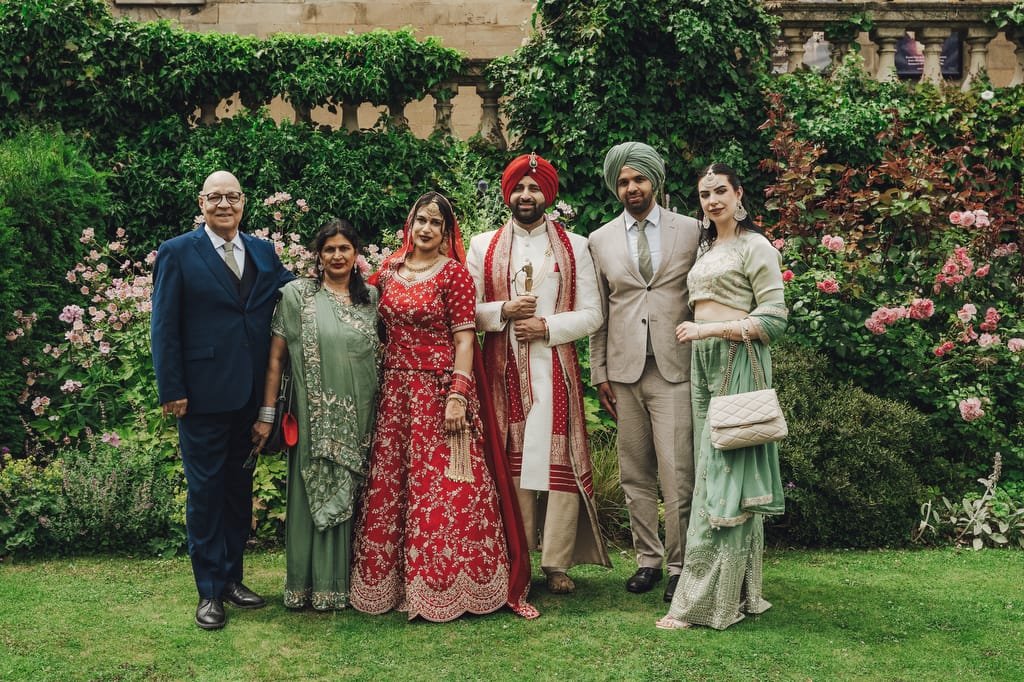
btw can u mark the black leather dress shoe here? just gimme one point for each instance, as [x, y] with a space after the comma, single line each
[670, 586]
[643, 580]
[210, 614]
[242, 597]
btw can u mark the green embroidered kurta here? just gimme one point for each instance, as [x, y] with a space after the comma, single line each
[333, 348]
[733, 490]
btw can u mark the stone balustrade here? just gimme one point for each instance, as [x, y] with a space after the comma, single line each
[930, 22]
[469, 103]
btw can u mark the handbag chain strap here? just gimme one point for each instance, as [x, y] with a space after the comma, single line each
[760, 380]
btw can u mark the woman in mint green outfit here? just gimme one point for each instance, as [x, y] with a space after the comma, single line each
[735, 288]
[327, 326]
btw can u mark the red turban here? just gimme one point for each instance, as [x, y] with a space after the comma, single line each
[539, 169]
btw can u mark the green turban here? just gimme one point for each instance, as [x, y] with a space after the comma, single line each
[636, 155]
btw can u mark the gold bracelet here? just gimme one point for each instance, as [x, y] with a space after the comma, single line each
[458, 398]
[726, 329]
[698, 332]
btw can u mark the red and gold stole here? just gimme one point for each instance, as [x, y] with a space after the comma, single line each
[511, 394]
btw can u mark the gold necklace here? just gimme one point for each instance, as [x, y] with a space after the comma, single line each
[343, 296]
[415, 271]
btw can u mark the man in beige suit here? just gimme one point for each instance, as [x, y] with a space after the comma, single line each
[641, 372]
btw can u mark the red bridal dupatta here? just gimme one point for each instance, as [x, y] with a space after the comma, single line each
[495, 456]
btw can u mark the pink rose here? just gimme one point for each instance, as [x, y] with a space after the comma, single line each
[981, 218]
[874, 325]
[921, 308]
[779, 243]
[954, 217]
[944, 348]
[787, 275]
[828, 286]
[970, 409]
[986, 340]
[967, 219]
[1015, 345]
[983, 270]
[836, 244]
[967, 312]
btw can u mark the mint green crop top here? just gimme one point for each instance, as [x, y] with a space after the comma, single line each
[744, 273]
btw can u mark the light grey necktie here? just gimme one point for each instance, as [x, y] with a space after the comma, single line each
[229, 258]
[643, 250]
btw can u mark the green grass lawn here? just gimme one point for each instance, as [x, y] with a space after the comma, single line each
[885, 615]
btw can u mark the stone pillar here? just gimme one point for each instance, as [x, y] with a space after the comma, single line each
[490, 124]
[978, 38]
[933, 37]
[443, 95]
[795, 37]
[886, 37]
[350, 117]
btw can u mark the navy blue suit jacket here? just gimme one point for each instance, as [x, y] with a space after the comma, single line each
[209, 345]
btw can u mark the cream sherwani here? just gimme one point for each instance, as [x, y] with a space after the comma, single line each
[565, 327]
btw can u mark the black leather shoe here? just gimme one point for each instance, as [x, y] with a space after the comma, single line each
[670, 586]
[242, 597]
[210, 614]
[643, 580]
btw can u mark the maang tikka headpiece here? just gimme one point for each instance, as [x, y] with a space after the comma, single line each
[708, 181]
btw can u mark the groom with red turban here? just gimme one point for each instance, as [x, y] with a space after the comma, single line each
[536, 294]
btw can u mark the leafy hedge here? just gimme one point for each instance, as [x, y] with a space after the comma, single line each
[681, 75]
[71, 61]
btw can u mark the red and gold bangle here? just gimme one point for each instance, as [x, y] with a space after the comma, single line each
[462, 384]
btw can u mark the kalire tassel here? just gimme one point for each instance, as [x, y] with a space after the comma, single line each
[459, 467]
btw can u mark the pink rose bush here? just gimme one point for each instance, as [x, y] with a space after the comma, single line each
[99, 375]
[970, 409]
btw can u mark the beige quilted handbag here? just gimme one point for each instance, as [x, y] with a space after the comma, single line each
[745, 419]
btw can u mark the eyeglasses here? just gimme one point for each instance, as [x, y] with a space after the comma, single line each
[214, 198]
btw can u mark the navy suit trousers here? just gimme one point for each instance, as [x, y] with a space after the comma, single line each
[218, 513]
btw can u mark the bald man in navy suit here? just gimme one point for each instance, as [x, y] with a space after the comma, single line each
[214, 292]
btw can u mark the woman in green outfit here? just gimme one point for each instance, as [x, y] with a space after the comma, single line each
[735, 290]
[327, 327]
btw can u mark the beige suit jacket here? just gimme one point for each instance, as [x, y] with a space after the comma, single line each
[618, 347]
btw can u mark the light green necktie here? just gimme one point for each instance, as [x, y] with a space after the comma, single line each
[643, 249]
[229, 258]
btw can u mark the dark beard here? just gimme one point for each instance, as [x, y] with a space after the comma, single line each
[528, 215]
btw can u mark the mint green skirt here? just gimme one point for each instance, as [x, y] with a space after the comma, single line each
[721, 578]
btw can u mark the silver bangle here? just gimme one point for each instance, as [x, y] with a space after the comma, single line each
[267, 415]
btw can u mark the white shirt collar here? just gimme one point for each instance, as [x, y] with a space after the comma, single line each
[218, 241]
[654, 218]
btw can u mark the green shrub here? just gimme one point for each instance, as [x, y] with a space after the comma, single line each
[117, 496]
[29, 499]
[49, 194]
[850, 463]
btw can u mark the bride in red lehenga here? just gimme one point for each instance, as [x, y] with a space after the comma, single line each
[440, 533]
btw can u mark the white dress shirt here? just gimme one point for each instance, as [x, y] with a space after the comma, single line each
[653, 232]
[218, 245]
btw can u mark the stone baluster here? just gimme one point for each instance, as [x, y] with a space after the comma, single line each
[397, 120]
[795, 37]
[443, 95]
[303, 114]
[350, 117]
[490, 124]
[886, 38]
[978, 38]
[1016, 36]
[838, 51]
[208, 112]
[933, 37]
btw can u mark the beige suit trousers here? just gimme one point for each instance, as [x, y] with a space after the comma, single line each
[655, 442]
